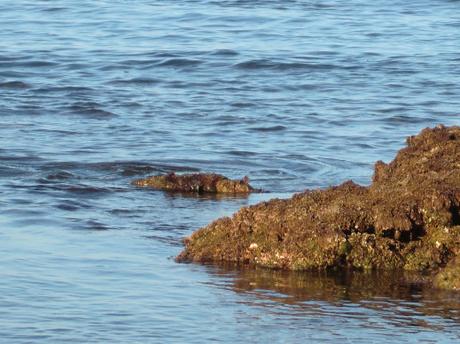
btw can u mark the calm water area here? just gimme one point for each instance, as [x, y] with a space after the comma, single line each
[295, 94]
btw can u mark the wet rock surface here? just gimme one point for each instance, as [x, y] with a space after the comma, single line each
[408, 219]
[198, 183]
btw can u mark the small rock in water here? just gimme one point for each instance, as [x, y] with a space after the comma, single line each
[197, 182]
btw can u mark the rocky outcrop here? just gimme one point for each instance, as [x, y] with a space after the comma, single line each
[408, 218]
[197, 182]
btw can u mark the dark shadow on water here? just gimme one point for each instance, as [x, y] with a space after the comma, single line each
[398, 296]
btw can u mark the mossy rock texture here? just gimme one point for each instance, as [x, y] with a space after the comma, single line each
[406, 219]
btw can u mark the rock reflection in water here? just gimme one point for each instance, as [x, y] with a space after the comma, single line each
[378, 299]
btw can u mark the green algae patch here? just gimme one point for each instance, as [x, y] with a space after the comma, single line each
[406, 219]
[197, 183]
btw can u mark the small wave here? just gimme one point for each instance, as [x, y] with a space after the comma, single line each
[67, 207]
[64, 89]
[96, 225]
[14, 85]
[133, 170]
[137, 62]
[125, 212]
[229, 118]
[71, 205]
[4, 58]
[390, 109]
[399, 72]
[98, 113]
[135, 81]
[242, 104]
[179, 84]
[54, 9]
[269, 129]
[242, 153]
[169, 240]
[130, 168]
[398, 119]
[224, 52]
[274, 172]
[76, 66]
[29, 158]
[124, 168]
[302, 87]
[255, 64]
[33, 64]
[363, 145]
[91, 110]
[395, 86]
[429, 103]
[179, 62]
[110, 67]
[160, 54]
[12, 171]
[282, 66]
[84, 189]
[308, 87]
[373, 34]
[73, 188]
[61, 175]
[14, 74]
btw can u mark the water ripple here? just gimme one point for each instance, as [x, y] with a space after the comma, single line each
[178, 62]
[284, 66]
[14, 85]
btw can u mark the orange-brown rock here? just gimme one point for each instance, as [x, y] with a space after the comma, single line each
[406, 219]
[197, 182]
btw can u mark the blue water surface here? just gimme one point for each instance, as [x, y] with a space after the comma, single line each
[294, 94]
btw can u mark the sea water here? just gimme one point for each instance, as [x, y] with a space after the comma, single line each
[293, 94]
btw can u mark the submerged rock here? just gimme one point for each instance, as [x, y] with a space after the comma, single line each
[197, 182]
[408, 218]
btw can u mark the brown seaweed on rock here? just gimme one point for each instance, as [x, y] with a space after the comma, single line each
[408, 218]
[197, 182]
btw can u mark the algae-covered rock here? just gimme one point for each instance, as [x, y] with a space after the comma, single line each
[449, 277]
[405, 219]
[196, 182]
[420, 188]
[313, 230]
